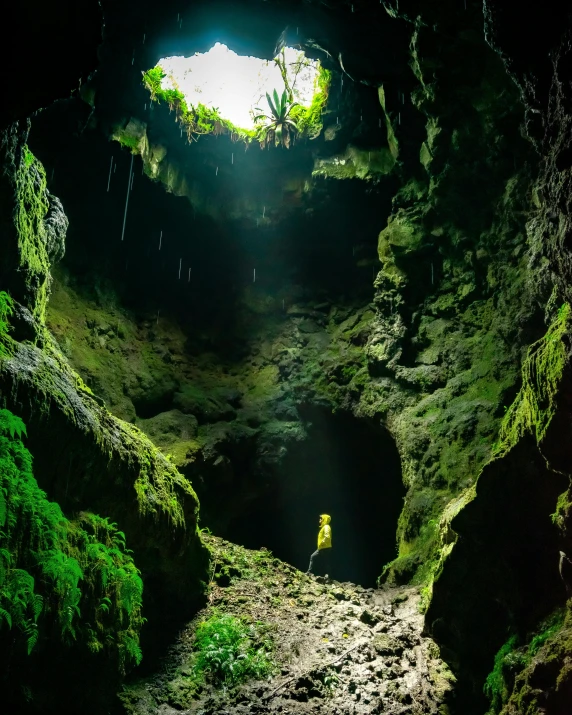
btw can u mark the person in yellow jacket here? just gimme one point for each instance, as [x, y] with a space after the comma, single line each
[324, 549]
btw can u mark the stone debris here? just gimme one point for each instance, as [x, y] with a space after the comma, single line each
[341, 649]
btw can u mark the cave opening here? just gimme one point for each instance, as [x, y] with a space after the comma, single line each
[346, 467]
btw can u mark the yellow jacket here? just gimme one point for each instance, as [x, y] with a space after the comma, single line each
[325, 533]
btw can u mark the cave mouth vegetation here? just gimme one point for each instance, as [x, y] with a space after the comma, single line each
[341, 288]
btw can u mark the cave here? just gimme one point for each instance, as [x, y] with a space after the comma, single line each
[344, 468]
[340, 287]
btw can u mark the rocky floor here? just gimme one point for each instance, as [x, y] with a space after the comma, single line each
[338, 648]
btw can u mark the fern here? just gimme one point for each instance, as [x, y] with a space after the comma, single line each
[77, 573]
[226, 651]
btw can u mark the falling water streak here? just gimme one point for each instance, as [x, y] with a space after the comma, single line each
[160, 240]
[399, 118]
[352, 8]
[254, 275]
[256, 223]
[216, 172]
[157, 317]
[108, 180]
[143, 38]
[380, 123]
[189, 280]
[337, 120]
[180, 266]
[181, 131]
[115, 168]
[181, 24]
[432, 281]
[127, 198]
[263, 211]
[144, 107]
[232, 158]
[132, 177]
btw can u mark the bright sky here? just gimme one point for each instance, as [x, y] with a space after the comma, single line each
[235, 84]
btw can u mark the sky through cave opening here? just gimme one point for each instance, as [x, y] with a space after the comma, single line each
[236, 85]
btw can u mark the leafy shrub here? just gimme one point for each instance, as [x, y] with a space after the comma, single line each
[229, 651]
[77, 574]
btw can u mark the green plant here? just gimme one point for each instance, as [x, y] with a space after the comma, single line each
[309, 120]
[549, 627]
[510, 660]
[495, 687]
[535, 403]
[28, 157]
[278, 127]
[331, 681]
[196, 121]
[229, 651]
[76, 574]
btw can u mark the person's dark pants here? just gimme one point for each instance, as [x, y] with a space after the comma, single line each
[320, 562]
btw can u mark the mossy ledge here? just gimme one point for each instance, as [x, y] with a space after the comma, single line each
[114, 468]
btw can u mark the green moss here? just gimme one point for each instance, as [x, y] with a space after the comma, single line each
[29, 158]
[496, 688]
[160, 488]
[5, 312]
[32, 207]
[563, 510]
[392, 142]
[75, 573]
[309, 119]
[514, 666]
[535, 404]
[355, 163]
[130, 142]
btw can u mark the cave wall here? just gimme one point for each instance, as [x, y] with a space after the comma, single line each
[473, 264]
[84, 457]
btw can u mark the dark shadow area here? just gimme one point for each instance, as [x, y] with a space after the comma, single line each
[502, 577]
[173, 258]
[347, 468]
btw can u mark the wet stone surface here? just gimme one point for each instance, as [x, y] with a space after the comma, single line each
[339, 648]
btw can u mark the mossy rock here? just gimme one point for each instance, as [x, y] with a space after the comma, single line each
[206, 405]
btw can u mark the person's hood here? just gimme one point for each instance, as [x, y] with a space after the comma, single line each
[326, 518]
